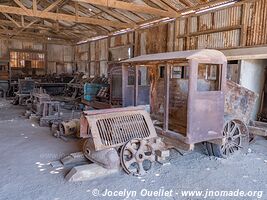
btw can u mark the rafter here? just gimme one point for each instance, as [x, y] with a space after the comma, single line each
[211, 3]
[38, 39]
[21, 30]
[11, 19]
[34, 6]
[63, 17]
[21, 5]
[170, 4]
[22, 21]
[131, 7]
[187, 3]
[3, 27]
[52, 6]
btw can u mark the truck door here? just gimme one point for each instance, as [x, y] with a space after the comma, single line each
[206, 102]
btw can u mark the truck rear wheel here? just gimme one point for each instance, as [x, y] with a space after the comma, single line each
[235, 137]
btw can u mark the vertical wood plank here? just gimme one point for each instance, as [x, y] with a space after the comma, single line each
[166, 96]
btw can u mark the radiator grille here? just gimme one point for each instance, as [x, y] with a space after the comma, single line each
[118, 130]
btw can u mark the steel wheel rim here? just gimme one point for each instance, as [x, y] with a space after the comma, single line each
[233, 138]
[134, 154]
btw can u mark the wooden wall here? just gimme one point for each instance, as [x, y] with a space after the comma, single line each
[238, 26]
[59, 58]
[6, 45]
[92, 58]
[234, 27]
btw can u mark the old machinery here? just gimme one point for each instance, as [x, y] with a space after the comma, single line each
[71, 127]
[184, 87]
[25, 87]
[118, 130]
[107, 158]
[4, 78]
[38, 97]
[114, 127]
[43, 107]
[137, 157]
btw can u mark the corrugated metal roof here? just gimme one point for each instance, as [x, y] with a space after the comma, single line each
[95, 11]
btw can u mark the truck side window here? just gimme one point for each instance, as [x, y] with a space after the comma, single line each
[161, 71]
[209, 77]
[180, 72]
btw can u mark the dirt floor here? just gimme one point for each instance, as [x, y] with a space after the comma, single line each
[27, 150]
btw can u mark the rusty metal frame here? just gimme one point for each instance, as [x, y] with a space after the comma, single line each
[194, 58]
[111, 128]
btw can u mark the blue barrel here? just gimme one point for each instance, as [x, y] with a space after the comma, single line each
[91, 90]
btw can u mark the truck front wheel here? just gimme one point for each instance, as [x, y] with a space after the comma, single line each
[235, 138]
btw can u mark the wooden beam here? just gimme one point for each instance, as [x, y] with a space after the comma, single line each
[167, 71]
[31, 34]
[228, 28]
[244, 20]
[21, 5]
[49, 28]
[25, 27]
[187, 3]
[22, 21]
[38, 39]
[131, 7]
[3, 27]
[11, 19]
[110, 12]
[171, 4]
[76, 10]
[211, 3]
[34, 6]
[52, 6]
[63, 17]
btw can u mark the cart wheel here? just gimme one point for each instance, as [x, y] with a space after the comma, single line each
[236, 138]
[137, 157]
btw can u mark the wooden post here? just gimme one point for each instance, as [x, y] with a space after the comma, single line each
[124, 83]
[136, 86]
[166, 96]
[244, 26]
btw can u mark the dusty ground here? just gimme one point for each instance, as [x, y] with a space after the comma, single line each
[25, 173]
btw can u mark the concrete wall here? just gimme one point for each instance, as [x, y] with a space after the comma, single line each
[252, 76]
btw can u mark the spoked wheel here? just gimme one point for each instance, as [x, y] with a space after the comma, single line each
[235, 138]
[137, 157]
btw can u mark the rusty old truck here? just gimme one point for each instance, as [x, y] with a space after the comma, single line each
[190, 101]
